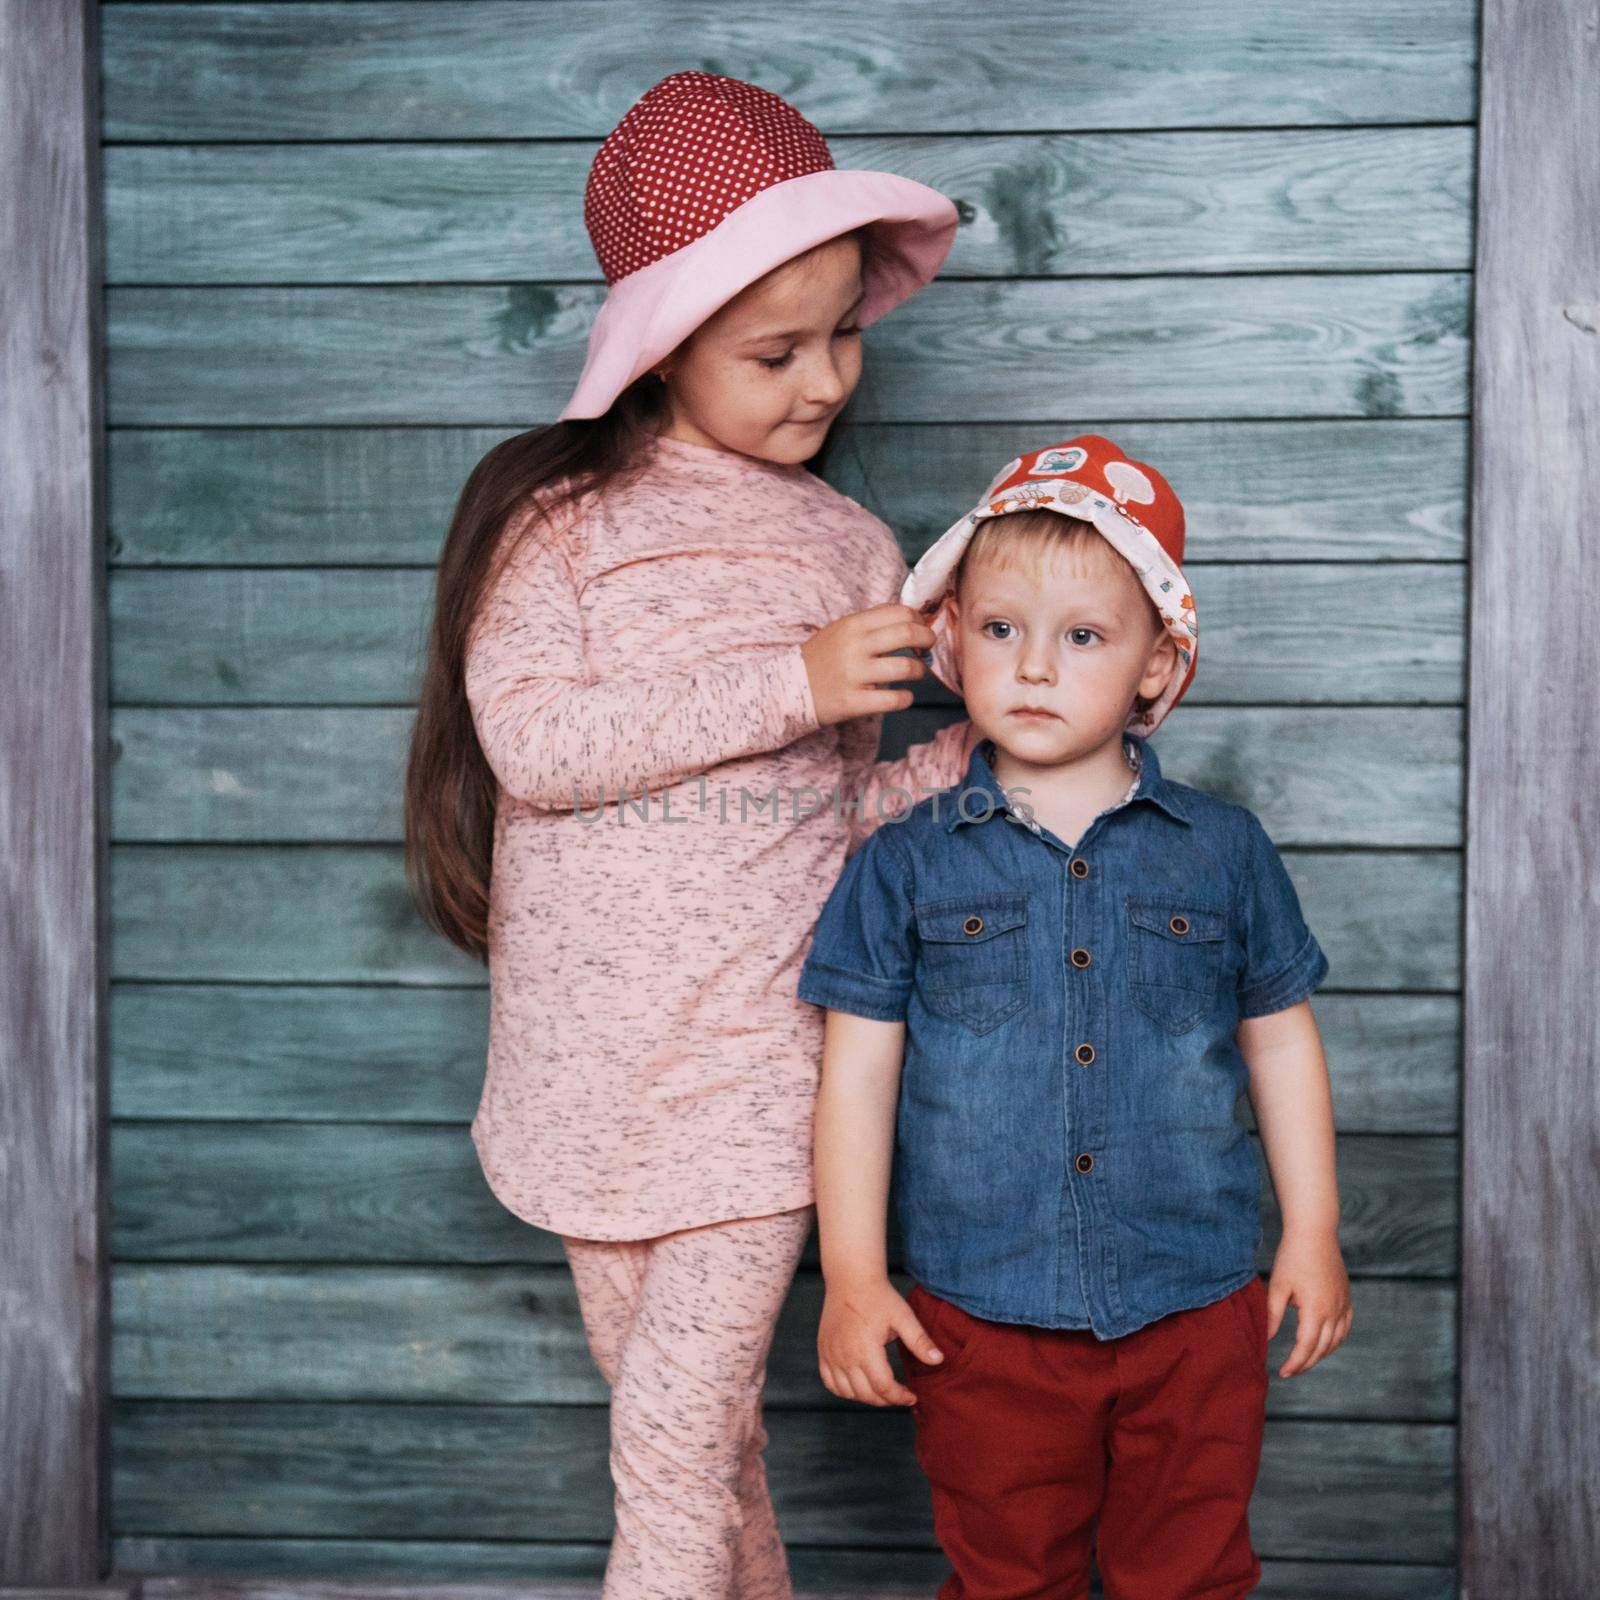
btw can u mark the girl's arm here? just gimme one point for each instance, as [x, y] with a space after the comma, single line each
[936, 763]
[1293, 1105]
[554, 739]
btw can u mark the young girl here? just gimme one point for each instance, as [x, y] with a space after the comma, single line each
[653, 699]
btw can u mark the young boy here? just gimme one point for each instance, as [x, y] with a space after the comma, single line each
[1046, 1008]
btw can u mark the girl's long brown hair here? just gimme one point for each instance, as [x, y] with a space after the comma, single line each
[450, 791]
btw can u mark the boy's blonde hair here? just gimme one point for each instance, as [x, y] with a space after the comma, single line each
[1031, 539]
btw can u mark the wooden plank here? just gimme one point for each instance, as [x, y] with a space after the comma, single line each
[97, 1591]
[397, 1194]
[53, 802]
[827, 1573]
[513, 1335]
[331, 1053]
[1316, 199]
[1530, 1456]
[486, 70]
[325, 1588]
[1336, 1490]
[1386, 632]
[1338, 775]
[1252, 491]
[344, 914]
[1365, 345]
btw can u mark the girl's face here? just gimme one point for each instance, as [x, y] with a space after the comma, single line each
[1050, 664]
[768, 372]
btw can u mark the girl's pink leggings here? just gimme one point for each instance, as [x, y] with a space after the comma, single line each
[680, 1327]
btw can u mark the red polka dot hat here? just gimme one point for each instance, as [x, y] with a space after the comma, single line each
[1131, 504]
[708, 184]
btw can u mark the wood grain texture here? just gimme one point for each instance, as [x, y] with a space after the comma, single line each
[1387, 633]
[397, 1193]
[1333, 1490]
[479, 70]
[338, 1053]
[53, 1312]
[822, 1574]
[1530, 1449]
[334, 1349]
[1024, 350]
[1036, 205]
[513, 1335]
[316, 775]
[464, 1568]
[1388, 919]
[1383, 490]
[96, 1591]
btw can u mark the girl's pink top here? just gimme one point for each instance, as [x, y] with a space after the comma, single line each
[650, 1065]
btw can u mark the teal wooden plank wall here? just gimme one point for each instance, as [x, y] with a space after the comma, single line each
[344, 257]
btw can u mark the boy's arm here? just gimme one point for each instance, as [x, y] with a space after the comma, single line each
[861, 970]
[854, 1147]
[854, 1151]
[1277, 1036]
[1293, 1102]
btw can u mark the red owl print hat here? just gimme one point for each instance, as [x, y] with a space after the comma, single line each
[1129, 502]
[708, 184]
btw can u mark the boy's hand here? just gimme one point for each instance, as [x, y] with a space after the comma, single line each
[1309, 1271]
[848, 660]
[856, 1325]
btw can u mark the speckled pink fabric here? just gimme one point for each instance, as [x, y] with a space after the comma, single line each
[650, 1066]
[681, 1328]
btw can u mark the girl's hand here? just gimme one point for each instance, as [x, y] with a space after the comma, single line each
[856, 1325]
[848, 660]
[1309, 1271]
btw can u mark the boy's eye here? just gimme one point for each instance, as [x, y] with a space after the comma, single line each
[1074, 632]
[996, 624]
[847, 333]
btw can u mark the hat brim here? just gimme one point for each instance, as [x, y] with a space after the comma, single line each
[649, 313]
[928, 585]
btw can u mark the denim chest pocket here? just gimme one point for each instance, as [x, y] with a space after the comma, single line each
[1175, 955]
[974, 958]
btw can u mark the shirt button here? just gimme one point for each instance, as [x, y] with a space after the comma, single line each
[1179, 925]
[1080, 958]
[1079, 867]
[973, 924]
[1085, 1054]
[1085, 1162]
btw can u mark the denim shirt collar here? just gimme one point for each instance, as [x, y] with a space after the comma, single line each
[980, 780]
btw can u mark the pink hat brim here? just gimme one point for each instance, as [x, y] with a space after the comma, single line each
[930, 584]
[649, 313]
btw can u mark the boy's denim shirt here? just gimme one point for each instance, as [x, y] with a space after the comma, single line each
[1067, 1153]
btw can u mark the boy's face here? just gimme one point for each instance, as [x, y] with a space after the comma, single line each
[1051, 661]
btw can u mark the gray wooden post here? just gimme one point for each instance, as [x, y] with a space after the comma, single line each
[1530, 1305]
[52, 801]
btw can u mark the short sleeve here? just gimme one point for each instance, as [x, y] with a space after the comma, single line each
[863, 950]
[1283, 962]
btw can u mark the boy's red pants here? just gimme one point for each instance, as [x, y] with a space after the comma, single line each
[1027, 1435]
